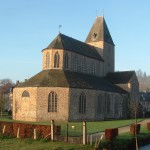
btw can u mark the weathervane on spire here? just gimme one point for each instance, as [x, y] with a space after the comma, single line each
[60, 27]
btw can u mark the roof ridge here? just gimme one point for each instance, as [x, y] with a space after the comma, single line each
[68, 43]
[60, 34]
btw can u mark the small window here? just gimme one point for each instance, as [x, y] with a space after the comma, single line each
[56, 60]
[100, 104]
[116, 105]
[25, 94]
[47, 60]
[75, 62]
[52, 102]
[108, 103]
[66, 65]
[82, 103]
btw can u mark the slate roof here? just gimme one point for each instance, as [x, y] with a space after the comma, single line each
[120, 77]
[67, 43]
[99, 32]
[63, 78]
[145, 96]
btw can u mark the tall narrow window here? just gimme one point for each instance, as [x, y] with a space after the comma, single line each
[100, 105]
[105, 103]
[52, 102]
[47, 60]
[79, 65]
[116, 105]
[108, 104]
[56, 60]
[84, 65]
[75, 62]
[82, 103]
[66, 65]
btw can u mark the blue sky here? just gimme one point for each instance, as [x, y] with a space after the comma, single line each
[28, 26]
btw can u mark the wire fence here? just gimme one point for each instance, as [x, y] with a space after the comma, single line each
[70, 129]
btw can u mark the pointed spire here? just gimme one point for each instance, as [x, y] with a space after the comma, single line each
[99, 32]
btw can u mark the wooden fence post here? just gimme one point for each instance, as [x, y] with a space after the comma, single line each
[35, 134]
[4, 129]
[91, 140]
[52, 130]
[84, 133]
[18, 132]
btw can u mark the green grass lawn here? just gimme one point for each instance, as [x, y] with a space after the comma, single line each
[93, 127]
[28, 144]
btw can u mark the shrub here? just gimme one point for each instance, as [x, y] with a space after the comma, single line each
[111, 133]
[135, 128]
[148, 126]
[27, 130]
[8, 128]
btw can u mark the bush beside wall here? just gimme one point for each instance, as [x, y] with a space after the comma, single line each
[27, 130]
[135, 128]
[111, 133]
[148, 126]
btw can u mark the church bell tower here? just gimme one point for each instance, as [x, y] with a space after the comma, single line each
[99, 37]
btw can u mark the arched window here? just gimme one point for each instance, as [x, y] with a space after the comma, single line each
[56, 60]
[116, 105]
[52, 102]
[25, 94]
[84, 66]
[97, 69]
[79, 65]
[66, 65]
[82, 103]
[100, 105]
[47, 60]
[93, 68]
[75, 62]
[108, 104]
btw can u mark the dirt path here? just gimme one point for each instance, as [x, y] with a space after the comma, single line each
[94, 136]
[127, 128]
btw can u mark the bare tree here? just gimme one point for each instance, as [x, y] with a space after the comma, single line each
[5, 81]
[135, 109]
[4, 98]
[1, 104]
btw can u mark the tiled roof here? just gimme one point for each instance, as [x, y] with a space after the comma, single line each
[120, 77]
[99, 32]
[67, 43]
[60, 78]
[145, 96]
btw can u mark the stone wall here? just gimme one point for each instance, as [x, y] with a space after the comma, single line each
[25, 108]
[107, 52]
[109, 58]
[134, 87]
[92, 108]
[62, 106]
[35, 107]
[76, 62]
[52, 52]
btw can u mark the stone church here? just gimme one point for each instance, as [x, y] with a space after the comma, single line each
[78, 81]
